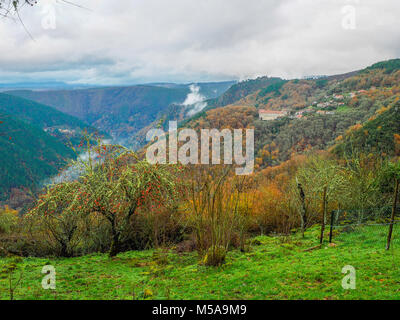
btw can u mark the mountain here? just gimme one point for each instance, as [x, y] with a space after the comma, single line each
[388, 66]
[120, 111]
[379, 135]
[41, 86]
[63, 126]
[41, 115]
[243, 89]
[210, 90]
[28, 155]
[35, 142]
[321, 112]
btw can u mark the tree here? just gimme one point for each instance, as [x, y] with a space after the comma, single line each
[9, 6]
[218, 210]
[323, 181]
[57, 214]
[122, 185]
[364, 192]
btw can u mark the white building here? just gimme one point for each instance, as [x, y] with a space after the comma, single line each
[268, 115]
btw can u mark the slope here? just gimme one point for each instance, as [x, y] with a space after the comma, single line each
[28, 155]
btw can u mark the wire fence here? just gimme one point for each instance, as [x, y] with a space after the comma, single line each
[368, 226]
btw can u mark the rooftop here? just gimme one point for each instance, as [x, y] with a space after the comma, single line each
[272, 111]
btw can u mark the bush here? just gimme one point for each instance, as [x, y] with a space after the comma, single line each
[8, 220]
[219, 209]
[215, 256]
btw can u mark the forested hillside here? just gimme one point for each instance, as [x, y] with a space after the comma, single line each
[28, 155]
[64, 127]
[243, 89]
[35, 113]
[117, 111]
[121, 111]
[321, 111]
[379, 135]
[334, 156]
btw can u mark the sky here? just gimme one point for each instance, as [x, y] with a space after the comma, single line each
[142, 41]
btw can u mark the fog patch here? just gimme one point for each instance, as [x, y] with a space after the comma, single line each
[195, 101]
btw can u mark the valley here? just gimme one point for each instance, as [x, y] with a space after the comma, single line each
[325, 148]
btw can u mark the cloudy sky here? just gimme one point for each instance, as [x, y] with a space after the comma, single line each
[138, 41]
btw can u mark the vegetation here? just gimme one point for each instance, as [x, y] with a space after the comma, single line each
[31, 155]
[261, 235]
[272, 269]
[389, 66]
[38, 114]
[378, 135]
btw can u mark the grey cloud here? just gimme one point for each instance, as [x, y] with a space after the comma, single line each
[191, 40]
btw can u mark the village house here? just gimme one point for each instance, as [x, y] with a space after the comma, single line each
[268, 115]
[323, 112]
[324, 104]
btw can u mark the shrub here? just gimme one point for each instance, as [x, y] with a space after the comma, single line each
[218, 209]
[8, 220]
[215, 256]
[57, 217]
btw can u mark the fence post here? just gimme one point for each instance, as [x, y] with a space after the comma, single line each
[331, 231]
[396, 191]
[323, 216]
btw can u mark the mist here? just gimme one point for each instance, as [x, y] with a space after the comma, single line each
[195, 101]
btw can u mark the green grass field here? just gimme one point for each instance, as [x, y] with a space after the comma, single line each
[274, 268]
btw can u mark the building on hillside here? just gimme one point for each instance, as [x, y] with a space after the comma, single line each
[323, 112]
[268, 115]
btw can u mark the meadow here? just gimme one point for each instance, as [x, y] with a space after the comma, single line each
[271, 268]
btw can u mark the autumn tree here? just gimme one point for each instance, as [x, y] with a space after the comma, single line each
[363, 186]
[57, 215]
[218, 208]
[121, 185]
[323, 181]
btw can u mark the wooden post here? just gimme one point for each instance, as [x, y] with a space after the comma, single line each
[396, 191]
[303, 214]
[331, 231]
[323, 216]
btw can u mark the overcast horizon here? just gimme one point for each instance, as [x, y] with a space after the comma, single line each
[185, 41]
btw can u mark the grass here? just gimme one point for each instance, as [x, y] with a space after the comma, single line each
[274, 268]
[343, 109]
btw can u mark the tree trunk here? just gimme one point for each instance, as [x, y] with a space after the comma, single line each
[396, 192]
[115, 245]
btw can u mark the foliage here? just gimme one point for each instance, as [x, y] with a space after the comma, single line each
[29, 155]
[119, 188]
[57, 215]
[120, 112]
[8, 220]
[219, 210]
[38, 114]
[242, 89]
[376, 136]
[9, 272]
[272, 88]
[389, 66]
